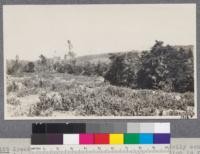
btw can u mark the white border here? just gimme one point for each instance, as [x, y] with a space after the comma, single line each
[105, 117]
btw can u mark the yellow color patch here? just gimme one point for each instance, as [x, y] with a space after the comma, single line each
[116, 138]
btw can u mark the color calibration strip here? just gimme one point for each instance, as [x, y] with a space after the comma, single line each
[104, 133]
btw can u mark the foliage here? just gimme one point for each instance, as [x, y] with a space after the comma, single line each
[162, 76]
[11, 87]
[29, 68]
[43, 59]
[13, 100]
[163, 67]
[166, 68]
[88, 96]
[123, 69]
[107, 100]
[59, 67]
[101, 68]
[87, 68]
[14, 67]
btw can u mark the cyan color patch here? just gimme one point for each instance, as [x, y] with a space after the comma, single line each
[146, 138]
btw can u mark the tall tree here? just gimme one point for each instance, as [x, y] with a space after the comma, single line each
[43, 59]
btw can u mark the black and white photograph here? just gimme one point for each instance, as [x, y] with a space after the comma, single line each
[116, 61]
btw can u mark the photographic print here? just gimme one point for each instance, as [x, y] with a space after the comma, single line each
[135, 61]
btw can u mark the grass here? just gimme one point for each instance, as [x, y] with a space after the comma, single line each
[83, 96]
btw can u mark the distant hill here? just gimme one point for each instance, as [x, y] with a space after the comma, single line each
[103, 58]
[94, 58]
[99, 57]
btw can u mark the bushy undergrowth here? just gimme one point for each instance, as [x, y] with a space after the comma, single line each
[91, 96]
[114, 101]
[13, 100]
[163, 77]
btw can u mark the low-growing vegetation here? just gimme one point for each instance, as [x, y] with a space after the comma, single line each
[159, 82]
[113, 101]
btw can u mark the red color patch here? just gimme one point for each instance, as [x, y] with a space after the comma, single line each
[101, 139]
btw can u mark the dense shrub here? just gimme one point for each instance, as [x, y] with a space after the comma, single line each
[87, 68]
[167, 68]
[13, 100]
[11, 87]
[101, 68]
[82, 88]
[30, 67]
[48, 102]
[115, 101]
[163, 67]
[14, 67]
[123, 69]
[59, 67]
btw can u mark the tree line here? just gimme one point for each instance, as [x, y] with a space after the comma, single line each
[164, 67]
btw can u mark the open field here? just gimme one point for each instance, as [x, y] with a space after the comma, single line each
[62, 94]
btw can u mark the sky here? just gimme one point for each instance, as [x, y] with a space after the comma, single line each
[32, 30]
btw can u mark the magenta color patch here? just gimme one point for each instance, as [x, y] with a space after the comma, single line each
[86, 139]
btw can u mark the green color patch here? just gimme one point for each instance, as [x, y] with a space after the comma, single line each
[131, 138]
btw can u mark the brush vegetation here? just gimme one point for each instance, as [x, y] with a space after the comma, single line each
[159, 82]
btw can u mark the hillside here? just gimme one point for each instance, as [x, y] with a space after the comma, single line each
[94, 58]
[104, 58]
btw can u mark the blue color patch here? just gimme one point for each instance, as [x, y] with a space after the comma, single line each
[146, 138]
